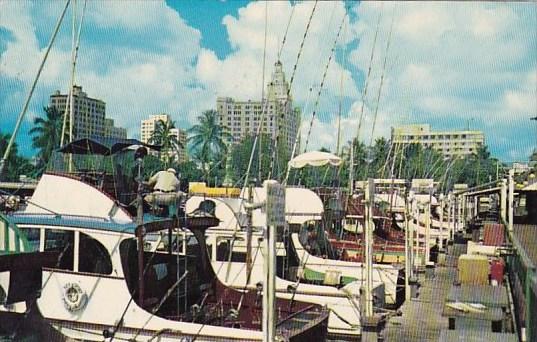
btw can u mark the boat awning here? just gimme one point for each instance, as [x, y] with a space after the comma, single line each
[12, 241]
[102, 146]
[314, 158]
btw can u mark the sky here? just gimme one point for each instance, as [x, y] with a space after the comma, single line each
[451, 65]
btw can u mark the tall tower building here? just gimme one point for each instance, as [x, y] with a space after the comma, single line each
[89, 115]
[280, 119]
[147, 127]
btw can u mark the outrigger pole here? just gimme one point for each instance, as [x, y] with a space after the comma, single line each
[29, 97]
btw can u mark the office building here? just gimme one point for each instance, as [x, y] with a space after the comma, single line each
[111, 131]
[89, 115]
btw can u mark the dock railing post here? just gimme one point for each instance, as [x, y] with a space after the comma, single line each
[369, 200]
[275, 211]
[511, 199]
[408, 249]
[450, 211]
[441, 241]
[503, 201]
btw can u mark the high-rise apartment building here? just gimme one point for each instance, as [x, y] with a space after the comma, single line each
[280, 119]
[449, 143]
[89, 115]
[147, 128]
[111, 131]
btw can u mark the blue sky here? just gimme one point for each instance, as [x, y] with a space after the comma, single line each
[449, 64]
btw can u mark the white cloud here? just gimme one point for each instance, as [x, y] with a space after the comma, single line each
[454, 62]
[240, 73]
[140, 59]
[448, 62]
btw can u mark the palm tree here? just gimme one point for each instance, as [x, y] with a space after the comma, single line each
[46, 133]
[15, 164]
[208, 139]
[165, 136]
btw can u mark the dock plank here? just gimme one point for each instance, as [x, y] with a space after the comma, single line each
[422, 318]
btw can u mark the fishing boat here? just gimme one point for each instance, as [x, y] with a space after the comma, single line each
[103, 285]
[239, 264]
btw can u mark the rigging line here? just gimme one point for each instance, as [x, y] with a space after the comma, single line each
[264, 112]
[380, 85]
[387, 159]
[246, 178]
[262, 120]
[343, 68]
[316, 104]
[286, 30]
[131, 299]
[278, 122]
[29, 97]
[71, 81]
[163, 299]
[366, 84]
[74, 58]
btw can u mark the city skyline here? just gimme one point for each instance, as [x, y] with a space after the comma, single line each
[447, 66]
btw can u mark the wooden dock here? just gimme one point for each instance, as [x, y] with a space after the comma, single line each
[422, 318]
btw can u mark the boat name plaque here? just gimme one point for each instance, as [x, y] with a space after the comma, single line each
[275, 204]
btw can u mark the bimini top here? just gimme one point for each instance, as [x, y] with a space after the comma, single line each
[314, 158]
[102, 146]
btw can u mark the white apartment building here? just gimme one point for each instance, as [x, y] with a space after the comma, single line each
[242, 118]
[449, 143]
[88, 113]
[147, 128]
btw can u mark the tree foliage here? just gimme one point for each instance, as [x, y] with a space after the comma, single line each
[16, 165]
[163, 136]
[47, 134]
[208, 143]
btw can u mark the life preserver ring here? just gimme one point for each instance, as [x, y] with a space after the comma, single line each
[74, 298]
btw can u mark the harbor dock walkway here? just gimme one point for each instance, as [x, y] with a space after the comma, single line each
[422, 318]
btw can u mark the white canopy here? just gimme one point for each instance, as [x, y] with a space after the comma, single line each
[314, 158]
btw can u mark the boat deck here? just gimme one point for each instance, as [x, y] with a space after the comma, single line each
[422, 318]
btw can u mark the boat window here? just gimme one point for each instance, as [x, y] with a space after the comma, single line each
[93, 257]
[32, 235]
[223, 246]
[60, 241]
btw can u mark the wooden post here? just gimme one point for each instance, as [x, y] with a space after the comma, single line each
[368, 233]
